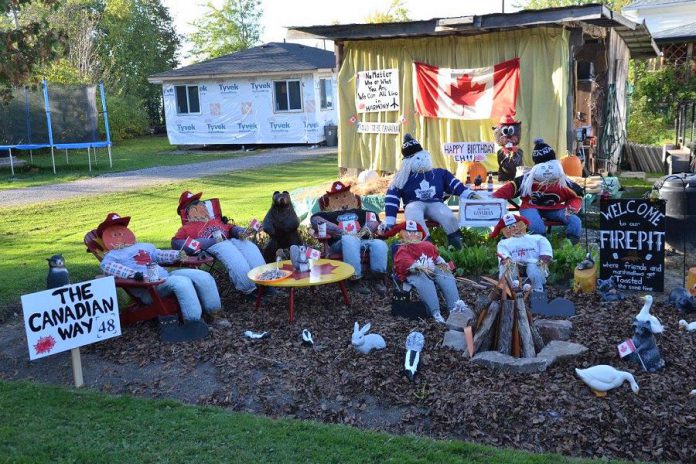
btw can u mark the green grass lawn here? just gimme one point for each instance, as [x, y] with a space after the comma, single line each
[143, 152]
[31, 234]
[41, 423]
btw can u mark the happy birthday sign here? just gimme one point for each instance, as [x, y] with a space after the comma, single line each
[71, 316]
[468, 151]
[632, 243]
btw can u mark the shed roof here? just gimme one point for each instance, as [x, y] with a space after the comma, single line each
[273, 57]
[636, 35]
[685, 32]
[650, 3]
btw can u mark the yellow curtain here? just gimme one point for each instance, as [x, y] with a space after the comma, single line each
[541, 102]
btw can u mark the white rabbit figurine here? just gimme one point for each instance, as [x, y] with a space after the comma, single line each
[366, 343]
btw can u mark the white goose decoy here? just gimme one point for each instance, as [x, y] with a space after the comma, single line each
[602, 378]
[645, 316]
[688, 326]
[693, 392]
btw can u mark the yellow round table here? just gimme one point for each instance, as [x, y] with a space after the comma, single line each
[321, 272]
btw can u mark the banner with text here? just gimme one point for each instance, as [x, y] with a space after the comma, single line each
[71, 316]
[468, 151]
[632, 243]
[379, 127]
[377, 91]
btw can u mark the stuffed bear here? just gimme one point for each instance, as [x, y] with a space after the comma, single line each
[281, 223]
[507, 135]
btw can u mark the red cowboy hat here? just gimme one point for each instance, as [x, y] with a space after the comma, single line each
[507, 120]
[411, 226]
[338, 187]
[187, 197]
[112, 219]
[507, 220]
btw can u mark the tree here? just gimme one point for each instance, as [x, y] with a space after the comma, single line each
[615, 5]
[397, 12]
[231, 28]
[24, 45]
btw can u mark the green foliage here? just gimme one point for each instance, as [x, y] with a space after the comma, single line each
[126, 117]
[228, 29]
[615, 5]
[25, 44]
[644, 126]
[565, 257]
[397, 12]
[472, 260]
[61, 71]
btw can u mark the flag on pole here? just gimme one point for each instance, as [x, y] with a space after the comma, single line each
[312, 253]
[626, 348]
[476, 93]
[255, 225]
[193, 245]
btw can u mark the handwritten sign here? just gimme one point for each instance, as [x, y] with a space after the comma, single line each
[379, 128]
[377, 91]
[484, 212]
[71, 316]
[468, 151]
[632, 243]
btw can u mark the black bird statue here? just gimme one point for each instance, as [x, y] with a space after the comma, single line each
[58, 275]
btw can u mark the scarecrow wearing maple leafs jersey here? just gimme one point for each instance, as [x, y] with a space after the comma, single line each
[194, 289]
[417, 263]
[227, 242]
[351, 229]
[546, 193]
[422, 190]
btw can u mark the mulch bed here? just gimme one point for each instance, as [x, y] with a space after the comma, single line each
[451, 398]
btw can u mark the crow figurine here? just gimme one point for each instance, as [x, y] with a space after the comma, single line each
[58, 275]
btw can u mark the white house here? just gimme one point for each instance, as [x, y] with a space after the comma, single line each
[277, 93]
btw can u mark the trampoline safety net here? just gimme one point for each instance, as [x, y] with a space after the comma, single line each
[23, 118]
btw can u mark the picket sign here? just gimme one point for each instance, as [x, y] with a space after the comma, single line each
[71, 316]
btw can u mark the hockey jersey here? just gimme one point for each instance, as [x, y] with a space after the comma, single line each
[421, 254]
[524, 249]
[127, 261]
[429, 187]
[549, 197]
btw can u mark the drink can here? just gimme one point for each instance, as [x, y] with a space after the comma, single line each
[322, 230]
[152, 273]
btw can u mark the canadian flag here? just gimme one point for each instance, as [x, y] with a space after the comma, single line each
[313, 254]
[255, 225]
[477, 93]
[349, 227]
[192, 244]
[626, 348]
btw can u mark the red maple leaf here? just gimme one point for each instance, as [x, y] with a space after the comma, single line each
[464, 93]
[322, 269]
[45, 344]
[143, 257]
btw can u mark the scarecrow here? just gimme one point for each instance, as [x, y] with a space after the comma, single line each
[417, 263]
[519, 248]
[422, 190]
[194, 289]
[350, 229]
[225, 241]
[507, 134]
[546, 193]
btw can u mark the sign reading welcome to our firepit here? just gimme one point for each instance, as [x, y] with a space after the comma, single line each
[71, 316]
[632, 243]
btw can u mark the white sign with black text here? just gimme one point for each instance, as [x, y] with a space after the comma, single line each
[379, 128]
[468, 151]
[483, 212]
[377, 90]
[71, 316]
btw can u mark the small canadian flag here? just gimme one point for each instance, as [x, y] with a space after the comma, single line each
[255, 224]
[353, 119]
[370, 217]
[626, 348]
[349, 227]
[192, 244]
[313, 254]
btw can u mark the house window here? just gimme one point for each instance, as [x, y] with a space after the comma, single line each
[326, 94]
[187, 101]
[288, 96]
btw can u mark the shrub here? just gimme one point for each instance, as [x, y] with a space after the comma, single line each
[127, 117]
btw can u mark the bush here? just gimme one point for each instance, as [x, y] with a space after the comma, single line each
[127, 117]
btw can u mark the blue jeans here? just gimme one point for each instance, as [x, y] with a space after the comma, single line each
[426, 288]
[238, 257]
[536, 221]
[350, 246]
[537, 277]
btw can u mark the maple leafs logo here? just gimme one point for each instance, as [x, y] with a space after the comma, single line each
[143, 258]
[464, 92]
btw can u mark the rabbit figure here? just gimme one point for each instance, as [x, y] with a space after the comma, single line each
[366, 343]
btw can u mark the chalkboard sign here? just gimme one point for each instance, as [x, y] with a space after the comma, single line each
[632, 243]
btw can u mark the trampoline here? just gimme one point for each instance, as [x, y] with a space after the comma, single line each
[64, 118]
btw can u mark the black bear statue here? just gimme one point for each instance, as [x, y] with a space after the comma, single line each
[281, 223]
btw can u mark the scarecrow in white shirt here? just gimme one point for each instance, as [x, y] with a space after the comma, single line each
[519, 248]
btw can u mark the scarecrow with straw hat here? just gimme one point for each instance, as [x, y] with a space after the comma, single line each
[422, 189]
[519, 248]
[194, 289]
[418, 263]
[217, 236]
